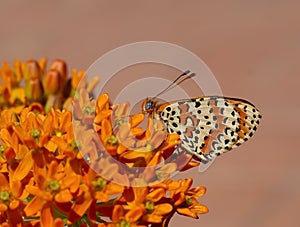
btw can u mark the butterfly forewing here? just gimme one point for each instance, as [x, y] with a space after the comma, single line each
[210, 126]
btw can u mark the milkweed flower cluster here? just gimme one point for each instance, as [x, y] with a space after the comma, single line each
[50, 178]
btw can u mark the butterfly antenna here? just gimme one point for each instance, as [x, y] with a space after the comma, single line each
[173, 84]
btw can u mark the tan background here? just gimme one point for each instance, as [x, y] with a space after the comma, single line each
[253, 48]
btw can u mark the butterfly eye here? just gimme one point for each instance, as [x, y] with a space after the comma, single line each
[149, 105]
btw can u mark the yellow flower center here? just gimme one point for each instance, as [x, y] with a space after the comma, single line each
[89, 110]
[35, 133]
[149, 147]
[16, 123]
[159, 174]
[149, 205]
[112, 141]
[2, 149]
[57, 133]
[119, 122]
[4, 196]
[188, 200]
[124, 223]
[74, 144]
[53, 186]
[99, 183]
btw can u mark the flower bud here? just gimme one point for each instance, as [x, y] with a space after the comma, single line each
[52, 82]
[61, 67]
[33, 90]
[32, 70]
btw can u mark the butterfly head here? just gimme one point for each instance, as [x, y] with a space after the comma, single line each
[148, 105]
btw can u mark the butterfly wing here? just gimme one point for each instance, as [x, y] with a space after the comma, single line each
[210, 126]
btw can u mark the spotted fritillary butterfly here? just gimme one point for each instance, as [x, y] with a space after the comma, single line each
[208, 126]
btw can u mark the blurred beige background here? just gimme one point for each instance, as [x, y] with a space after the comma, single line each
[253, 48]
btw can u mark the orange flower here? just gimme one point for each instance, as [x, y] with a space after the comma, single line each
[95, 188]
[149, 201]
[52, 186]
[185, 199]
[62, 168]
[11, 95]
[31, 130]
[84, 108]
[58, 125]
[11, 196]
[121, 217]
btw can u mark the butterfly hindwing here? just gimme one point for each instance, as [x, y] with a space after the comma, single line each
[210, 126]
[249, 119]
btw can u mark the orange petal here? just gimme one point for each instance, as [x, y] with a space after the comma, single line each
[5, 137]
[113, 188]
[160, 185]
[186, 184]
[162, 209]
[168, 168]
[187, 212]
[34, 206]
[102, 102]
[121, 110]
[136, 119]
[118, 213]
[71, 182]
[92, 83]
[156, 159]
[52, 169]
[132, 155]
[134, 214]
[136, 132]
[51, 146]
[3, 181]
[23, 168]
[199, 209]
[102, 115]
[123, 132]
[172, 185]
[14, 204]
[157, 139]
[58, 222]
[179, 199]
[110, 171]
[16, 188]
[189, 165]
[106, 130]
[32, 189]
[47, 215]
[121, 149]
[140, 194]
[149, 129]
[3, 207]
[197, 192]
[83, 98]
[83, 202]
[101, 196]
[66, 120]
[63, 196]
[156, 195]
[152, 218]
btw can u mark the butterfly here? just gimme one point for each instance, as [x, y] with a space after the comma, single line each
[208, 126]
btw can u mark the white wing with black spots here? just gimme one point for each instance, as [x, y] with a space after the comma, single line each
[210, 126]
